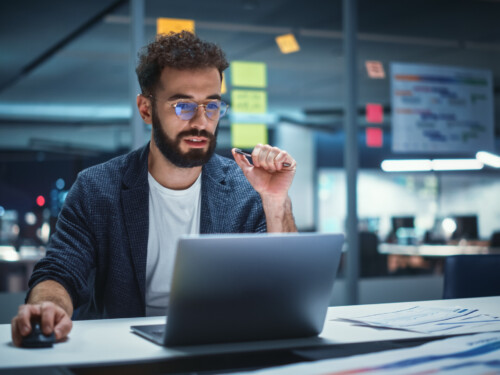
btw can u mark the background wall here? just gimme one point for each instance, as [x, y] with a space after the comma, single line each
[299, 142]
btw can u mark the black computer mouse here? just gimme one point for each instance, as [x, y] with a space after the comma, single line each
[36, 338]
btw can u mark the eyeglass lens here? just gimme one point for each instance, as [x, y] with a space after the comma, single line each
[187, 110]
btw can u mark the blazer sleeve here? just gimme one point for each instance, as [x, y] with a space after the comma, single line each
[71, 251]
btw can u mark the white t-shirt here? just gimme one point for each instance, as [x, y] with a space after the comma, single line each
[172, 213]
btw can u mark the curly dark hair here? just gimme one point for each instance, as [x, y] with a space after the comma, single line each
[181, 50]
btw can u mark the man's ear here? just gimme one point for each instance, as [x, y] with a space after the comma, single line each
[145, 109]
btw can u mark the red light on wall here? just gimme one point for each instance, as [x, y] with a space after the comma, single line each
[40, 200]
[374, 113]
[374, 137]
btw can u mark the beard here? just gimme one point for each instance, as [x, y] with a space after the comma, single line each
[170, 148]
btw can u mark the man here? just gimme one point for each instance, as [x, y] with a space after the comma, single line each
[113, 249]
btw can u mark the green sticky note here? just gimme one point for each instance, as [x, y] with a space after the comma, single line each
[248, 74]
[249, 101]
[248, 135]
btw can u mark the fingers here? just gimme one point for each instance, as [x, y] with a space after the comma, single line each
[55, 319]
[272, 159]
[63, 324]
[241, 160]
[47, 320]
[21, 323]
[52, 317]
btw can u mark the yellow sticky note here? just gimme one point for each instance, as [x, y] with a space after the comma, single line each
[223, 88]
[248, 135]
[249, 101]
[176, 25]
[248, 74]
[287, 43]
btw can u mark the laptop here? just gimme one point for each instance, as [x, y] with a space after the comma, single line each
[247, 287]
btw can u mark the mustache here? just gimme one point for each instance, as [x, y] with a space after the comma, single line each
[196, 133]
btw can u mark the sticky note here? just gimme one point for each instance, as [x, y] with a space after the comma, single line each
[249, 101]
[287, 43]
[248, 135]
[176, 25]
[248, 74]
[374, 113]
[375, 69]
[223, 88]
[374, 137]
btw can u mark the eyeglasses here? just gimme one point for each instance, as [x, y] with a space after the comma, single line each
[186, 110]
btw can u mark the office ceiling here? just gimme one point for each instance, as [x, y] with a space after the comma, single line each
[64, 65]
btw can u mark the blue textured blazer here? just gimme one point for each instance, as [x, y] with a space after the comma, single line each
[98, 251]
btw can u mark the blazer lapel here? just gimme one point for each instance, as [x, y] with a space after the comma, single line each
[135, 205]
[214, 197]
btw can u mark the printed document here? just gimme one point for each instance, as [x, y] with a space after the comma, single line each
[446, 320]
[477, 354]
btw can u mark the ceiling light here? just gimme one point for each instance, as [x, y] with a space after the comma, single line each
[456, 164]
[489, 159]
[423, 165]
[413, 165]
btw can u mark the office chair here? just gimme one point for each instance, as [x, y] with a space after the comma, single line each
[495, 239]
[372, 262]
[472, 276]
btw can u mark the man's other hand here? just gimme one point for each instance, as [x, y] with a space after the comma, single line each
[272, 172]
[52, 317]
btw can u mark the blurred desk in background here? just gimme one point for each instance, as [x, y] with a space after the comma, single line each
[16, 267]
[427, 259]
[435, 250]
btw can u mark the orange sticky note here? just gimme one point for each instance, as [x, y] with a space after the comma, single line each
[375, 69]
[374, 113]
[176, 25]
[287, 43]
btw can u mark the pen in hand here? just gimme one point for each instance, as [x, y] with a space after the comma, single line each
[238, 151]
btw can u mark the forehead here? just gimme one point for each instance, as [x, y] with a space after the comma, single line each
[190, 82]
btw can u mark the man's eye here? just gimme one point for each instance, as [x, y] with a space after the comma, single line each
[213, 106]
[183, 105]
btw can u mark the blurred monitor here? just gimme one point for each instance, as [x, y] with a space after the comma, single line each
[466, 228]
[436, 235]
[403, 231]
[402, 222]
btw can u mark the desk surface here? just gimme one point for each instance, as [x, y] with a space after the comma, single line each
[110, 342]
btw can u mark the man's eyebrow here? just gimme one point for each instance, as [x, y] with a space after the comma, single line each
[184, 96]
[179, 96]
[214, 96]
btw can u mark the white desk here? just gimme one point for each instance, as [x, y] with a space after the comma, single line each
[110, 342]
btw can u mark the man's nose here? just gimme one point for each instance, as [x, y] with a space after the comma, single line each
[199, 119]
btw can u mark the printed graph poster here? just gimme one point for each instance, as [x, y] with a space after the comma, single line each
[441, 109]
